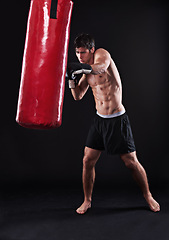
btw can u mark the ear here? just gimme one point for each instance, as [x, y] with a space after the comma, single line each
[92, 50]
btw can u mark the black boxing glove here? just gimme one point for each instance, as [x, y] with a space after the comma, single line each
[75, 72]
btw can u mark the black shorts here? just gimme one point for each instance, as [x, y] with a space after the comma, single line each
[111, 134]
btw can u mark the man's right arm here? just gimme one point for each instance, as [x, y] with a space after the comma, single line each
[81, 88]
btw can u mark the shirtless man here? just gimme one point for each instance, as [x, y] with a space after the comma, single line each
[111, 129]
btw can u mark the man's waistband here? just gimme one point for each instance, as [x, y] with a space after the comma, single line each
[112, 115]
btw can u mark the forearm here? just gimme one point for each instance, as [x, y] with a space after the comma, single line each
[101, 62]
[76, 93]
[78, 80]
[98, 68]
[79, 91]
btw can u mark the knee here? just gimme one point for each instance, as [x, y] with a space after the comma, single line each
[90, 158]
[130, 161]
[88, 162]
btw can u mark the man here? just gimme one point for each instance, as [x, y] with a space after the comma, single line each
[111, 129]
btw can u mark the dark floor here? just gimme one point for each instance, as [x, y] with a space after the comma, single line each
[49, 214]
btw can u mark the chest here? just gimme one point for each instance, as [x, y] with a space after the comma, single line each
[95, 80]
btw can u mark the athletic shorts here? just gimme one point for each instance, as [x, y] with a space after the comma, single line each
[114, 135]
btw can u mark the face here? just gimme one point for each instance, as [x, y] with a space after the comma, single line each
[84, 55]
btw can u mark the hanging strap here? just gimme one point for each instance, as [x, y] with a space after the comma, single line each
[53, 9]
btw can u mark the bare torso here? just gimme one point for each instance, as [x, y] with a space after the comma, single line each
[107, 90]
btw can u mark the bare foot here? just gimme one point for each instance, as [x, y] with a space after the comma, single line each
[84, 207]
[154, 206]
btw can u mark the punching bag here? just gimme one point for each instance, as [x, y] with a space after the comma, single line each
[44, 64]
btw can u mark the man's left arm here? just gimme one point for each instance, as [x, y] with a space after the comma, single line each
[101, 61]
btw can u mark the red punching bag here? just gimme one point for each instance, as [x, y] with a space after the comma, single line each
[44, 64]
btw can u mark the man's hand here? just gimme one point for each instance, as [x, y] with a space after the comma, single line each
[75, 72]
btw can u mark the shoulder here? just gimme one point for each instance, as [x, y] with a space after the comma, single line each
[101, 52]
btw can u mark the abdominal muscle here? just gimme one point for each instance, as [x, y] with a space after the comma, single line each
[107, 94]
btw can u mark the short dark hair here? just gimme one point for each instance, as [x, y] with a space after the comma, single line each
[84, 40]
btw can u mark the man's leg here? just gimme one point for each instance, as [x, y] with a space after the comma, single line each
[139, 174]
[90, 158]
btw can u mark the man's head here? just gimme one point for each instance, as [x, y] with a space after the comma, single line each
[84, 46]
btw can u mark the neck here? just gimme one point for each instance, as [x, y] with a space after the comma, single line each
[91, 61]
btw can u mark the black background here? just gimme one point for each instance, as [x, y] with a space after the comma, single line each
[136, 35]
